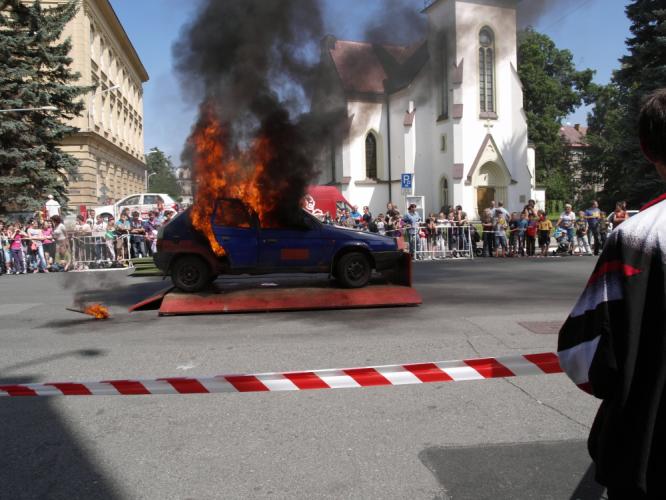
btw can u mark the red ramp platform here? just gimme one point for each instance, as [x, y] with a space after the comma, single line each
[282, 298]
[287, 293]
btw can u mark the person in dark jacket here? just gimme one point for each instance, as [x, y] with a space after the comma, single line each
[613, 345]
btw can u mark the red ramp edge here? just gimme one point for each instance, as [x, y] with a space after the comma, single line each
[151, 303]
[288, 299]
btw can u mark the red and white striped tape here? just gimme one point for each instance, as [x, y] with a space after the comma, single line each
[420, 373]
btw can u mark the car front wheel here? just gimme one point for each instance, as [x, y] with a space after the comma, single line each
[191, 274]
[353, 270]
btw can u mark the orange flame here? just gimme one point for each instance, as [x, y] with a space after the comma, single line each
[222, 173]
[98, 311]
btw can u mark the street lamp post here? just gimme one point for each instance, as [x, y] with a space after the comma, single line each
[23, 110]
[148, 176]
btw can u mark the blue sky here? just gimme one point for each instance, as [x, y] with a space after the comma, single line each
[594, 30]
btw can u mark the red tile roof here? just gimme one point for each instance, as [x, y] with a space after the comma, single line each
[366, 68]
[575, 136]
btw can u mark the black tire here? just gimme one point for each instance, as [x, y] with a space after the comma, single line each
[191, 274]
[353, 270]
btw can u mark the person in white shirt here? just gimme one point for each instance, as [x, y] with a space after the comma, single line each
[98, 232]
[52, 207]
[566, 222]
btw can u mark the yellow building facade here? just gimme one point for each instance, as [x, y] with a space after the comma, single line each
[109, 144]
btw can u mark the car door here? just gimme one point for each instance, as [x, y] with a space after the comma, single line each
[235, 229]
[299, 247]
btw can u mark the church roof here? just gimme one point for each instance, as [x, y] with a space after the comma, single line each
[368, 68]
[574, 136]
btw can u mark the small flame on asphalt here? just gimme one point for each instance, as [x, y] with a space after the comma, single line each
[97, 311]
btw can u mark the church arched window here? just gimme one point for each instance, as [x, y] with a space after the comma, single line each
[444, 83]
[487, 70]
[444, 194]
[370, 156]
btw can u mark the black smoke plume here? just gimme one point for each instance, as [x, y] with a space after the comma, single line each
[397, 22]
[255, 65]
[531, 11]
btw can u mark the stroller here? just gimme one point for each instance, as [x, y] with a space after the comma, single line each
[563, 243]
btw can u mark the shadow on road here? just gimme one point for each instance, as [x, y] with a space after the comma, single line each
[555, 470]
[53, 357]
[42, 457]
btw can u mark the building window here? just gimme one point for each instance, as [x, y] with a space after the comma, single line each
[487, 70]
[370, 156]
[444, 195]
[92, 42]
[444, 83]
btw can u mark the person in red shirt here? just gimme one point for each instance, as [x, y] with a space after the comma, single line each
[620, 213]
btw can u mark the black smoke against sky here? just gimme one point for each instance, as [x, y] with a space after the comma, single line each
[255, 62]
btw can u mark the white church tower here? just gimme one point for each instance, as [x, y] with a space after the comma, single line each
[448, 109]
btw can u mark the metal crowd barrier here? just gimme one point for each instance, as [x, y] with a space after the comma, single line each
[441, 242]
[97, 251]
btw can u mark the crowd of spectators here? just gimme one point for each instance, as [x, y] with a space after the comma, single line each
[449, 229]
[43, 245]
[393, 223]
[528, 233]
[531, 232]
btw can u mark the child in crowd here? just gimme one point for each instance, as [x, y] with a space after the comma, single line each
[603, 228]
[452, 231]
[488, 236]
[581, 234]
[5, 254]
[380, 224]
[37, 246]
[544, 226]
[530, 235]
[49, 243]
[431, 230]
[110, 237]
[16, 236]
[522, 228]
[513, 234]
[500, 234]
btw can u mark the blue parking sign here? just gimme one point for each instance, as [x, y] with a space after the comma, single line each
[406, 181]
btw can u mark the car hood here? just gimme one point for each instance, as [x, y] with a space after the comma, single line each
[355, 234]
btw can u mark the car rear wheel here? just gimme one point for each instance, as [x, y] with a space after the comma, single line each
[353, 270]
[191, 274]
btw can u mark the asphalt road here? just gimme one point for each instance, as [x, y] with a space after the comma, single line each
[518, 438]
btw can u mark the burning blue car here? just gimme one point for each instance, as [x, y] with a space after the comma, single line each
[306, 246]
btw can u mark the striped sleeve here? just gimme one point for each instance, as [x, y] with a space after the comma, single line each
[586, 339]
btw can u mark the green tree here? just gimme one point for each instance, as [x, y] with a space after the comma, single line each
[35, 72]
[164, 180]
[552, 89]
[614, 147]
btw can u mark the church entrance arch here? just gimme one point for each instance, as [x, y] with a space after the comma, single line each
[491, 184]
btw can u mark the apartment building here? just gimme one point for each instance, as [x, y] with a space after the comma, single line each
[109, 144]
